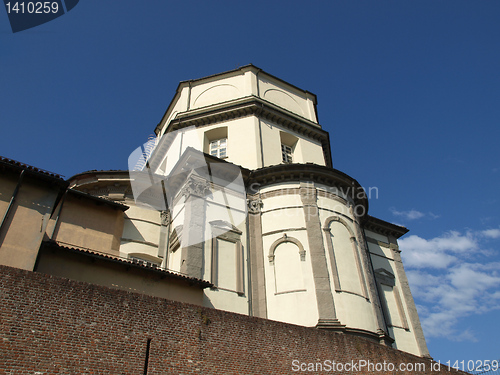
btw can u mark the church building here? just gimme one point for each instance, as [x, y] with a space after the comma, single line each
[236, 194]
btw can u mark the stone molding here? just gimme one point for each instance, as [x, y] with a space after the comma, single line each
[305, 172]
[327, 194]
[165, 217]
[280, 192]
[409, 302]
[283, 230]
[226, 231]
[257, 285]
[254, 206]
[387, 278]
[284, 239]
[355, 249]
[383, 227]
[197, 187]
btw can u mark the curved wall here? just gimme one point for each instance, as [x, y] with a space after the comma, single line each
[286, 216]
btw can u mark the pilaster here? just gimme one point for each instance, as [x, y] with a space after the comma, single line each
[324, 297]
[256, 249]
[192, 241]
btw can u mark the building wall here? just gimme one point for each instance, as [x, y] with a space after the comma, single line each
[88, 224]
[24, 228]
[310, 261]
[289, 278]
[74, 266]
[401, 316]
[242, 83]
[251, 143]
[54, 325]
[141, 233]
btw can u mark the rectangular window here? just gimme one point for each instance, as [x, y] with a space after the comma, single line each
[218, 148]
[227, 263]
[286, 153]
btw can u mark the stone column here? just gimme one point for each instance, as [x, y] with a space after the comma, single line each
[256, 250]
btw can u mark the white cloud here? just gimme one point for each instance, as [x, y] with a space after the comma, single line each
[434, 216]
[465, 290]
[409, 215]
[491, 233]
[413, 214]
[438, 252]
[451, 278]
[426, 258]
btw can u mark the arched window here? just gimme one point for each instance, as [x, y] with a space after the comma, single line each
[286, 255]
[346, 267]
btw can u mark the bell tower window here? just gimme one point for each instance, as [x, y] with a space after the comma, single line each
[218, 148]
[288, 143]
[286, 154]
[215, 142]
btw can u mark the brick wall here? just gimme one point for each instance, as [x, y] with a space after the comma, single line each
[51, 325]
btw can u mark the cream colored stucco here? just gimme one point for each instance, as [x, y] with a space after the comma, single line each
[294, 306]
[89, 225]
[246, 82]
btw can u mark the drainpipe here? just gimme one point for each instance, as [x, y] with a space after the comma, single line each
[258, 86]
[56, 223]
[189, 96]
[12, 199]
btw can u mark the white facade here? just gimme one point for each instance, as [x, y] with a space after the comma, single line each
[304, 250]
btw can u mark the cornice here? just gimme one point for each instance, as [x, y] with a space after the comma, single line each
[98, 199]
[94, 182]
[311, 172]
[98, 175]
[383, 227]
[243, 69]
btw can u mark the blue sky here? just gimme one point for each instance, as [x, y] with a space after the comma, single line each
[409, 91]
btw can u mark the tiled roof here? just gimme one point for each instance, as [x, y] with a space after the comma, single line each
[88, 252]
[18, 165]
